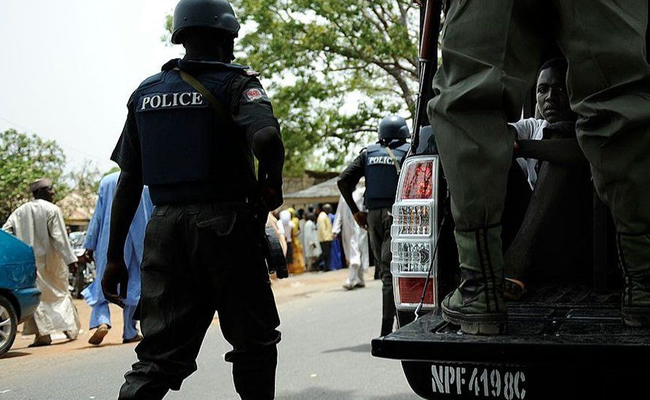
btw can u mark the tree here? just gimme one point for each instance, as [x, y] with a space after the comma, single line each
[82, 197]
[26, 158]
[336, 68]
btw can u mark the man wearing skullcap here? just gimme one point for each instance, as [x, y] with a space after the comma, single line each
[40, 224]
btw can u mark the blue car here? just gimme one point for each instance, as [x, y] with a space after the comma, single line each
[19, 296]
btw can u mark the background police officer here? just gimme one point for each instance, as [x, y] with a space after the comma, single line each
[203, 244]
[380, 164]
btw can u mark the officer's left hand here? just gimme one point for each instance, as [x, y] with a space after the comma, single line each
[115, 274]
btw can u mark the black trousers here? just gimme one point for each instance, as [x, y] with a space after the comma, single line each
[199, 259]
[547, 233]
[325, 259]
[379, 223]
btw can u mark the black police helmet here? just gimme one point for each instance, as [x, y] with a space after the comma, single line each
[393, 127]
[217, 14]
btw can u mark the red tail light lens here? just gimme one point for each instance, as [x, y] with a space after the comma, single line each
[409, 291]
[418, 180]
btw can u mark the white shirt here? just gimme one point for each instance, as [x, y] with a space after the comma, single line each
[287, 224]
[530, 129]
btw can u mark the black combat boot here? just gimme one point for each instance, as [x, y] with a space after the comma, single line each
[634, 259]
[477, 304]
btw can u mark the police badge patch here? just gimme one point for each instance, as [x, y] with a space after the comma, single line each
[254, 94]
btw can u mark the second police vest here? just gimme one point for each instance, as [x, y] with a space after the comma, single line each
[381, 175]
[189, 152]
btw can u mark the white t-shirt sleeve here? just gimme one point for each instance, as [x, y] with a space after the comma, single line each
[526, 128]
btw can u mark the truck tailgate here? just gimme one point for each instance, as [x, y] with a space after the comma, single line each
[563, 340]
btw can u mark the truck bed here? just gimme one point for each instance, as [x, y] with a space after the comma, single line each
[569, 337]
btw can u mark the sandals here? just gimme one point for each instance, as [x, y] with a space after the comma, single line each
[513, 289]
[41, 340]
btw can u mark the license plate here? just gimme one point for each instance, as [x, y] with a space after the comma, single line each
[480, 381]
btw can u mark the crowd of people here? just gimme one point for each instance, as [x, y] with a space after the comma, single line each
[322, 238]
[316, 239]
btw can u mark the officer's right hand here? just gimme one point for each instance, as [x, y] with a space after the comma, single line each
[270, 195]
[116, 274]
[361, 217]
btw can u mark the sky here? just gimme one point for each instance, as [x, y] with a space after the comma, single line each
[69, 67]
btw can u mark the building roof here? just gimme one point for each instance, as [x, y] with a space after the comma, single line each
[324, 192]
[77, 208]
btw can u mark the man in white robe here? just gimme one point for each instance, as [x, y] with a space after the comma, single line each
[355, 240]
[313, 249]
[40, 224]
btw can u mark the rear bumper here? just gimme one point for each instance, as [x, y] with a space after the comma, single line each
[565, 351]
[28, 300]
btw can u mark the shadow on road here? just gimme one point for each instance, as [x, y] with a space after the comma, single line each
[14, 354]
[327, 394]
[361, 348]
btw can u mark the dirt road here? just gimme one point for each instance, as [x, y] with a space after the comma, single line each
[285, 290]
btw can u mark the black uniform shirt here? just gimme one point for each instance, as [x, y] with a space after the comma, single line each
[250, 109]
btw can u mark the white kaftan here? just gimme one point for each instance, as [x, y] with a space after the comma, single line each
[40, 224]
[354, 238]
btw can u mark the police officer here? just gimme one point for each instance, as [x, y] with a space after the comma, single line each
[380, 164]
[190, 135]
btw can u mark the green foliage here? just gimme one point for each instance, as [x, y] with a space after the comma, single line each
[110, 171]
[86, 179]
[26, 158]
[82, 197]
[167, 35]
[335, 69]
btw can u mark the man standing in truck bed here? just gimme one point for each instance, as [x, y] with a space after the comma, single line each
[481, 85]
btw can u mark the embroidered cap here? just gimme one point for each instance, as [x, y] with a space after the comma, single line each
[40, 184]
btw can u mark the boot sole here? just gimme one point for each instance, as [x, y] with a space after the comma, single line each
[477, 324]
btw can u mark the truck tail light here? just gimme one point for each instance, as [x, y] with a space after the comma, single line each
[409, 291]
[417, 182]
[413, 234]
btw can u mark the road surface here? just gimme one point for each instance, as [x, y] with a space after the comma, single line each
[324, 353]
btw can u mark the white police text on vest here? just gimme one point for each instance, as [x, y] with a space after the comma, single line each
[158, 101]
[383, 160]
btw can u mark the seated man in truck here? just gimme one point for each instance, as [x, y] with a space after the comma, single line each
[556, 171]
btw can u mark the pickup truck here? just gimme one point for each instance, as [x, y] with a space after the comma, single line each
[565, 339]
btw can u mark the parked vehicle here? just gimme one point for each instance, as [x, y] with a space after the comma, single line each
[565, 340]
[86, 273]
[19, 295]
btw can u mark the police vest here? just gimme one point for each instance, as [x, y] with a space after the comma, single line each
[381, 175]
[189, 152]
